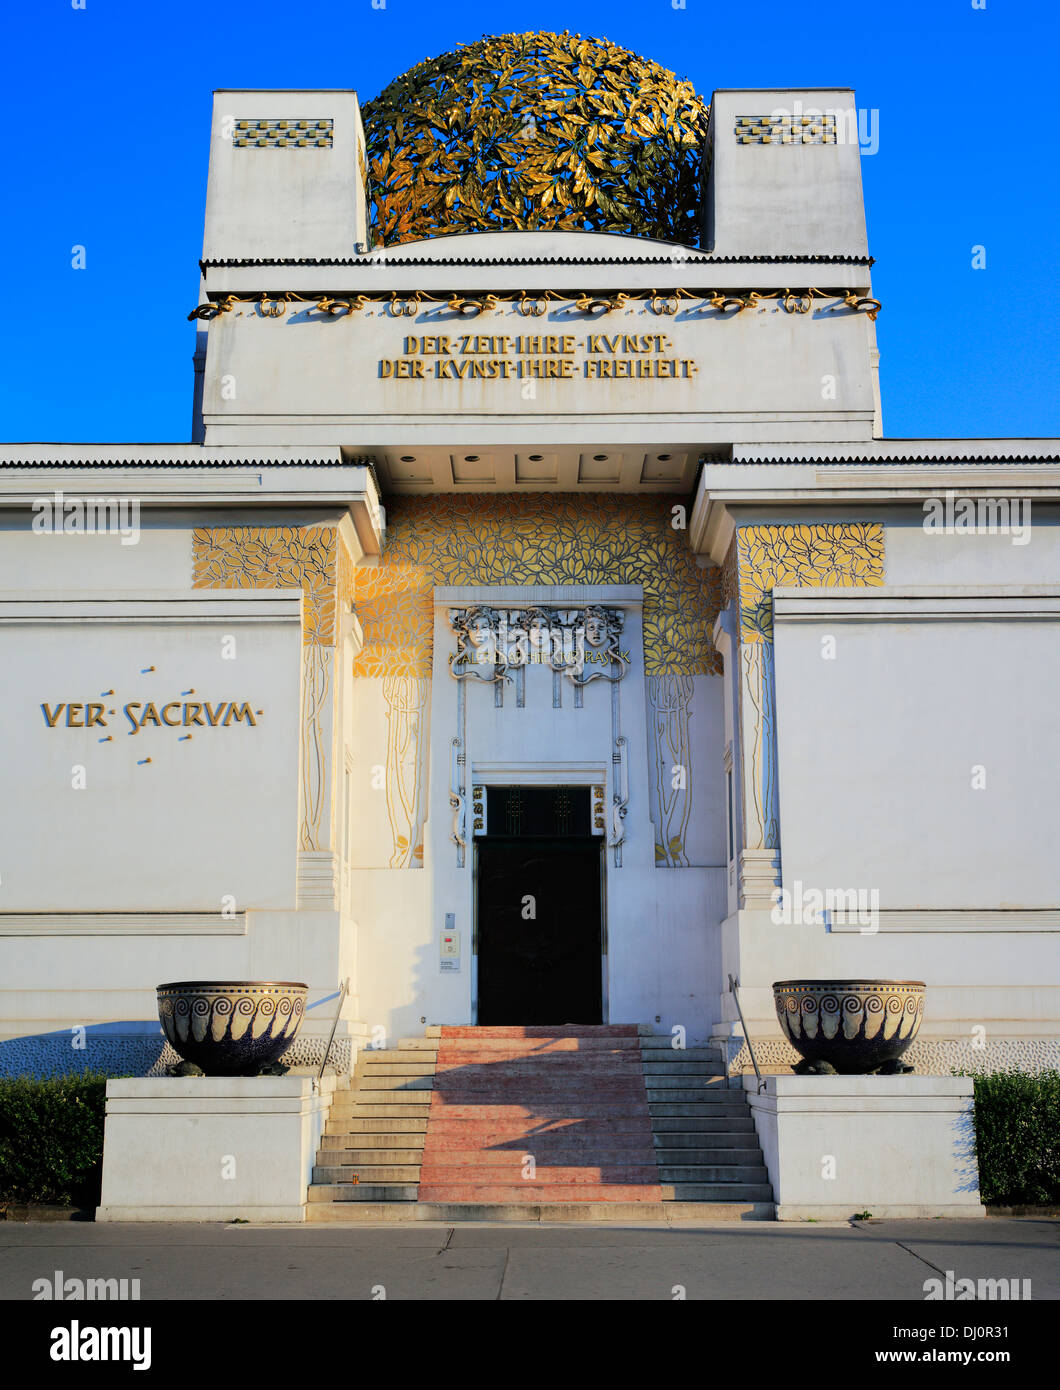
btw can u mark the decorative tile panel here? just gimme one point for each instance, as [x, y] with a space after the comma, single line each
[785, 130]
[274, 134]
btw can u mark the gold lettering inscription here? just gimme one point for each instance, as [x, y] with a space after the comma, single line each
[174, 715]
[540, 356]
[238, 712]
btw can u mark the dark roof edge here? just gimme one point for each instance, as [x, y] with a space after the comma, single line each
[693, 258]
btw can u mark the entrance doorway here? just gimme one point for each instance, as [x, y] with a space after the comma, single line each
[539, 921]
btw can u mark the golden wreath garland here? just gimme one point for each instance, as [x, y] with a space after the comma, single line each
[726, 305]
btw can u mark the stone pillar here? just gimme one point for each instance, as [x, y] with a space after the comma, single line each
[759, 852]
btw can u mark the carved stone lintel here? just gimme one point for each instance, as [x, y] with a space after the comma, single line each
[580, 643]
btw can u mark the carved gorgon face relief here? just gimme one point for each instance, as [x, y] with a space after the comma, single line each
[516, 637]
[595, 630]
[478, 630]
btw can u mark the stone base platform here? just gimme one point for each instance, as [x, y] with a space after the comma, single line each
[892, 1146]
[211, 1148]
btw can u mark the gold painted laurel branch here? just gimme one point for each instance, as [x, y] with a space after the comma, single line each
[726, 305]
[535, 130]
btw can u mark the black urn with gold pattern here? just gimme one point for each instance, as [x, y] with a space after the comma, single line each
[231, 1027]
[850, 1026]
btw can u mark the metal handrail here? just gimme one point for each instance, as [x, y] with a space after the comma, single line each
[734, 985]
[334, 1024]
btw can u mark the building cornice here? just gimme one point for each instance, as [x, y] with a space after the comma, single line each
[265, 483]
[791, 489]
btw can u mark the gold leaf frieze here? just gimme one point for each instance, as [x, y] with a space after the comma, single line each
[274, 557]
[561, 539]
[843, 555]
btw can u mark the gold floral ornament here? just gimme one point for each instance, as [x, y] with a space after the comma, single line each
[600, 538]
[846, 555]
[535, 131]
[274, 557]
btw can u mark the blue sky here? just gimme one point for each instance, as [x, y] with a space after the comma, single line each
[108, 132]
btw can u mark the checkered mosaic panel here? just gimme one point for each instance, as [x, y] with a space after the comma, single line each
[785, 130]
[273, 135]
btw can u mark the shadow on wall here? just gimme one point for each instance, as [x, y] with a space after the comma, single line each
[964, 1150]
[132, 1047]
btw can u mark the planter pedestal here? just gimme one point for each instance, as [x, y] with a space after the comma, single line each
[899, 1146]
[211, 1148]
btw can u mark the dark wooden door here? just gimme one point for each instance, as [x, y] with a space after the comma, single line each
[539, 946]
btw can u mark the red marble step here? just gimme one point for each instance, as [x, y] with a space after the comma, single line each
[462, 1109]
[508, 1092]
[566, 1030]
[538, 1047]
[519, 1195]
[568, 1129]
[543, 1073]
[501, 1094]
[486, 1142]
[560, 1063]
[569, 1156]
[511, 1172]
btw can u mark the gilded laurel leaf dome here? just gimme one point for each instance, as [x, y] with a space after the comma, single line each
[535, 132]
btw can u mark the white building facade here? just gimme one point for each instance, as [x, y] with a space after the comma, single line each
[539, 628]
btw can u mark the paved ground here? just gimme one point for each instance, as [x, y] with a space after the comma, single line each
[756, 1260]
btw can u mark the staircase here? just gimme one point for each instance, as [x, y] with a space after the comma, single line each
[372, 1147]
[525, 1115]
[540, 1123]
[705, 1140]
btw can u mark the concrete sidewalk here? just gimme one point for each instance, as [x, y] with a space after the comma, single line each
[872, 1260]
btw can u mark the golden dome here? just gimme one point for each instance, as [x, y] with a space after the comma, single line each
[535, 132]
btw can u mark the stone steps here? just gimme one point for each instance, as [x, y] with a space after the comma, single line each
[374, 1081]
[707, 1073]
[366, 1173]
[663, 1052]
[457, 1032]
[372, 1145]
[533, 1114]
[679, 1141]
[615, 1119]
[501, 1094]
[345, 1157]
[398, 1126]
[710, 1123]
[406, 1070]
[727, 1109]
[488, 1193]
[672, 1212]
[719, 1192]
[485, 1175]
[362, 1192]
[704, 1137]
[412, 1114]
[713, 1173]
[607, 1130]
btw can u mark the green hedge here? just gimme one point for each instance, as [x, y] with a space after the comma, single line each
[51, 1138]
[1017, 1136]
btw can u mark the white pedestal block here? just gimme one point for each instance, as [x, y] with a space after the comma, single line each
[211, 1148]
[895, 1146]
